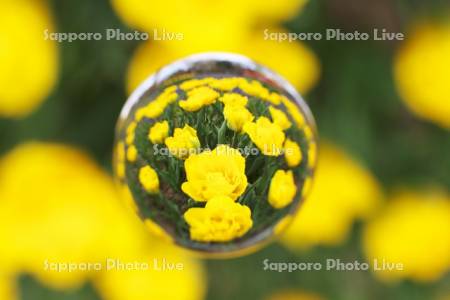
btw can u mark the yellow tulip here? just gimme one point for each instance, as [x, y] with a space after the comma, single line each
[184, 142]
[292, 153]
[279, 118]
[233, 99]
[158, 132]
[267, 136]
[149, 179]
[153, 110]
[215, 173]
[198, 97]
[236, 116]
[221, 220]
[282, 189]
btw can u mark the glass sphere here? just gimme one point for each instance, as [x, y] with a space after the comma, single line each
[216, 153]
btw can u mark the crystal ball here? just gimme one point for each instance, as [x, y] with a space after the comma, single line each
[215, 153]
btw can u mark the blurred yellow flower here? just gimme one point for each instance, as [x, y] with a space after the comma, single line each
[158, 132]
[149, 179]
[414, 230]
[279, 118]
[295, 61]
[221, 220]
[282, 189]
[58, 205]
[342, 191]
[183, 142]
[422, 72]
[220, 172]
[28, 62]
[292, 153]
[157, 230]
[236, 116]
[199, 97]
[126, 198]
[158, 281]
[8, 289]
[204, 21]
[267, 136]
[226, 26]
[294, 295]
[282, 225]
[302, 71]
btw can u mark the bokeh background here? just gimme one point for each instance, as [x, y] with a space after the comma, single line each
[382, 183]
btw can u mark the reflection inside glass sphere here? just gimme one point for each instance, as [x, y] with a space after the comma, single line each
[216, 153]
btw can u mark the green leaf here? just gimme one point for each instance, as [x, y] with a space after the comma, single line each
[221, 134]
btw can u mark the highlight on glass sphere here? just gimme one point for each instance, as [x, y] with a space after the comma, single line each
[216, 153]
